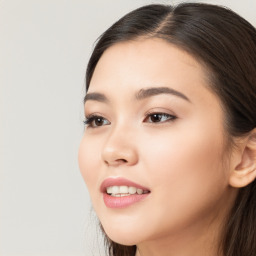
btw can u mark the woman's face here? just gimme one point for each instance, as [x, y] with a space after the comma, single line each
[153, 121]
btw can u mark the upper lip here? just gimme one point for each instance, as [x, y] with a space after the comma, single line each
[119, 181]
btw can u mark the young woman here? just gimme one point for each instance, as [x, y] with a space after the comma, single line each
[169, 148]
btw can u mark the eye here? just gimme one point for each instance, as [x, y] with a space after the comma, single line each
[159, 118]
[95, 121]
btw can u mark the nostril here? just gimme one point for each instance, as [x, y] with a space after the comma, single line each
[114, 156]
[122, 160]
[116, 162]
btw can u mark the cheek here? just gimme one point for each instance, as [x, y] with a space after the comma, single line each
[186, 167]
[89, 159]
[189, 150]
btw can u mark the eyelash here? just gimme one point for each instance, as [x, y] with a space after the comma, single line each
[91, 119]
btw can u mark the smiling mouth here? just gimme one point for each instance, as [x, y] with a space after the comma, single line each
[121, 191]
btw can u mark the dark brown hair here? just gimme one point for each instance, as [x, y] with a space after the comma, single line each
[225, 44]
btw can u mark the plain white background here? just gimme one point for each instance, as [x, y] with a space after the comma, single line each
[44, 48]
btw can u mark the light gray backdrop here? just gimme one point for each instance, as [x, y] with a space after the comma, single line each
[44, 48]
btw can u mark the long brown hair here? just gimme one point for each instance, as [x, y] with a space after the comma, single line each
[225, 44]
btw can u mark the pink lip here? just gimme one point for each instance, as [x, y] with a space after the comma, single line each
[121, 202]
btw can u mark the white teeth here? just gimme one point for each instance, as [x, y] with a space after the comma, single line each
[123, 190]
[120, 195]
[115, 190]
[109, 190]
[119, 191]
[132, 190]
[139, 191]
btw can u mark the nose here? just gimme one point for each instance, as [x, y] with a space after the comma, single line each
[120, 148]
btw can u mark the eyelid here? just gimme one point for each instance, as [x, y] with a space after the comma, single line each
[92, 114]
[159, 110]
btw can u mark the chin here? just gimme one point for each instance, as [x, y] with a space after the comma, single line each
[124, 238]
[122, 235]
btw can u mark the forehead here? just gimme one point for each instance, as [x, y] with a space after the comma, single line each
[147, 59]
[146, 62]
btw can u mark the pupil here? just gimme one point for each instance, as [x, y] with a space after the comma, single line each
[98, 121]
[156, 118]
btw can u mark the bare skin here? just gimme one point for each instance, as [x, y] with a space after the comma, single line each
[172, 142]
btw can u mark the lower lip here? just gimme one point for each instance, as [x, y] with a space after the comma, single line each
[122, 202]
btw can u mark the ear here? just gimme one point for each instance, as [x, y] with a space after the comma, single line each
[244, 172]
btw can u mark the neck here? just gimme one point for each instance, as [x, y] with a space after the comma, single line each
[182, 245]
[201, 238]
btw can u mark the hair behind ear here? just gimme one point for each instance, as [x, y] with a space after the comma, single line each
[240, 229]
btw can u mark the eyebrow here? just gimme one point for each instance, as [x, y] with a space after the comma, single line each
[153, 91]
[142, 94]
[95, 96]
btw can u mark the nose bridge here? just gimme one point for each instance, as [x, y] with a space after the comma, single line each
[119, 147]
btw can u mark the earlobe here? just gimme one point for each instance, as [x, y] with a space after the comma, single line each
[242, 178]
[244, 172]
